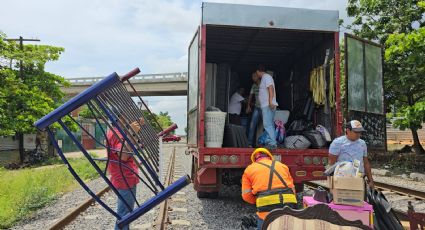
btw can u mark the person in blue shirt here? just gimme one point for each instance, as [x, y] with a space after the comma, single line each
[351, 148]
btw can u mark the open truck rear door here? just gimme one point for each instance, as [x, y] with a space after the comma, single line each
[364, 92]
[193, 92]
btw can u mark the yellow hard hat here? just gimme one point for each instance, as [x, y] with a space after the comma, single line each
[262, 150]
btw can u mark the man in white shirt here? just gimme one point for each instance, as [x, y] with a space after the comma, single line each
[267, 98]
[351, 148]
[235, 106]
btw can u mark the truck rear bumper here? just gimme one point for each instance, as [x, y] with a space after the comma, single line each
[304, 165]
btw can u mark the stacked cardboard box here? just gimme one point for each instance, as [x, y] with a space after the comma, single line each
[347, 190]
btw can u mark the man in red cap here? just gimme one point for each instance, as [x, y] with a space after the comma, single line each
[351, 148]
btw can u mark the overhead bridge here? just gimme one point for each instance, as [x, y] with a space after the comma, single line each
[164, 84]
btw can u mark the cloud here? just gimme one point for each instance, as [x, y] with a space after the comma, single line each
[104, 36]
[175, 106]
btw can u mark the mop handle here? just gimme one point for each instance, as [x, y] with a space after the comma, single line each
[168, 130]
[130, 74]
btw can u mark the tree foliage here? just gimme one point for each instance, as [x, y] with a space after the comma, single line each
[28, 95]
[405, 59]
[377, 19]
[163, 118]
[399, 27]
[86, 113]
[411, 117]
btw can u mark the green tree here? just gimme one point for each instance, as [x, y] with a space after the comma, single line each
[398, 26]
[28, 95]
[159, 121]
[405, 57]
[164, 119]
[86, 113]
[152, 119]
[378, 19]
[411, 116]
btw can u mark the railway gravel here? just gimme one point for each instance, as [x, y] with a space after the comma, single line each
[190, 212]
[404, 182]
[186, 211]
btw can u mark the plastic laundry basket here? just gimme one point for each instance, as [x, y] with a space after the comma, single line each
[214, 128]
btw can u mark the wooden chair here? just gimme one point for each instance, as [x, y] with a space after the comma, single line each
[416, 219]
[317, 217]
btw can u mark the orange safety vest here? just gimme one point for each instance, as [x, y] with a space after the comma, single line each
[268, 184]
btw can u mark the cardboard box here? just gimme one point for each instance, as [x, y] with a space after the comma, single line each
[330, 182]
[347, 190]
[348, 197]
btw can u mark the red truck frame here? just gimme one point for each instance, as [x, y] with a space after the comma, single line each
[208, 164]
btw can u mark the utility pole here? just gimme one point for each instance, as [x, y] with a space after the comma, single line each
[21, 73]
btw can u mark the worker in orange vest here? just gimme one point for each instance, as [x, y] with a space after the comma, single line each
[268, 184]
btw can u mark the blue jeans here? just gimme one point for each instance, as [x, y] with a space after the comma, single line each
[259, 223]
[255, 118]
[268, 122]
[122, 209]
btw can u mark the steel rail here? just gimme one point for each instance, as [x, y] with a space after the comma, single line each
[74, 213]
[162, 219]
[419, 195]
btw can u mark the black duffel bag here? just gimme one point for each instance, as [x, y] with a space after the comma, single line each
[316, 138]
[297, 127]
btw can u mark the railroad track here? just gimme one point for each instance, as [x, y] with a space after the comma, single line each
[419, 195]
[161, 220]
[68, 218]
[386, 189]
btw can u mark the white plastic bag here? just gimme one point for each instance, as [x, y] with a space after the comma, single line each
[325, 133]
[345, 169]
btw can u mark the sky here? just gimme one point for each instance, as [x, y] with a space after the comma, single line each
[105, 36]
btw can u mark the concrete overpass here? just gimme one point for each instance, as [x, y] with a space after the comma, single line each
[166, 84]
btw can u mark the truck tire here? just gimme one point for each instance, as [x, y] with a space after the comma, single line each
[211, 195]
[202, 194]
[299, 187]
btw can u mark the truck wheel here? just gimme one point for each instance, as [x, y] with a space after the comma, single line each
[213, 195]
[299, 187]
[202, 194]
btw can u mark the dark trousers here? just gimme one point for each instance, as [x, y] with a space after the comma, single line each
[234, 119]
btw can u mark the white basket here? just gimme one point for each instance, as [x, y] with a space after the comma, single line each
[214, 128]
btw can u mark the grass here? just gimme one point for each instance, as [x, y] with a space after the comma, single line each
[26, 190]
[399, 163]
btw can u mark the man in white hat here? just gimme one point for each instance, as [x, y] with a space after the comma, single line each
[351, 148]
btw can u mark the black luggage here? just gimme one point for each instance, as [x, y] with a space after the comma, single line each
[316, 138]
[235, 136]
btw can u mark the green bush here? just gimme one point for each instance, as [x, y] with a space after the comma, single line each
[26, 190]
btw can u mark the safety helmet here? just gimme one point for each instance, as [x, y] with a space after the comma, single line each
[260, 150]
